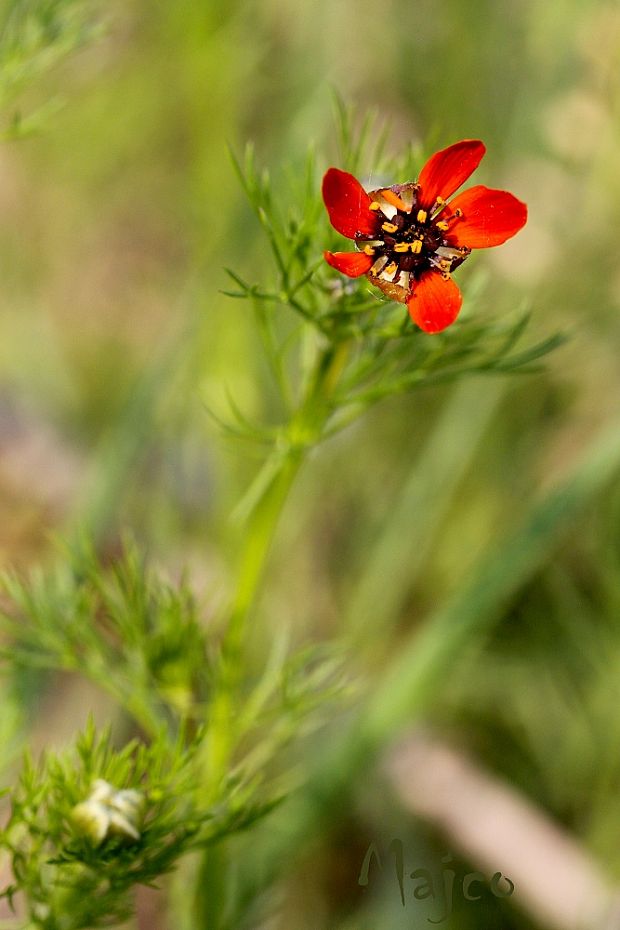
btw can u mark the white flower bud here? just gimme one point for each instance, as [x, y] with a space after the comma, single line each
[108, 812]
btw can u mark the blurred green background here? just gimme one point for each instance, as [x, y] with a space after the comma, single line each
[117, 221]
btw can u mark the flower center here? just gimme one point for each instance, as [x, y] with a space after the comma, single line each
[413, 240]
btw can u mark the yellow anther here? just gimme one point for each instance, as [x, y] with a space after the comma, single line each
[445, 275]
[374, 206]
[445, 264]
[443, 226]
[401, 247]
[416, 247]
[422, 215]
[394, 199]
[439, 201]
[458, 212]
[368, 250]
[389, 227]
[391, 268]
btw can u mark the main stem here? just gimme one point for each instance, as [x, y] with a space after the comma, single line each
[276, 479]
[278, 474]
[274, 483]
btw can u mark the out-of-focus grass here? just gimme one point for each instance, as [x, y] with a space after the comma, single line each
[117, 222]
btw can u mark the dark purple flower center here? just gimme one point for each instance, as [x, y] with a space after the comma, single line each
[413, 240]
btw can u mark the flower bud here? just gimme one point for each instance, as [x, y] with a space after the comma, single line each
[109, 812]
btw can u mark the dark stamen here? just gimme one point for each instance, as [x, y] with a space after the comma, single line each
[412, 239]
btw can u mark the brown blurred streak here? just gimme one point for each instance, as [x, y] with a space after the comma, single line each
[556, 880]
[149, 908]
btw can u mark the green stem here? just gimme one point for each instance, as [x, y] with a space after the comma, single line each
[275, 481]
[267, 497]
[278, 473]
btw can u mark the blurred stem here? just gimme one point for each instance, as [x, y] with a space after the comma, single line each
[405, 690]
[461, 625]
[212, 888]
[398, 551]
[123, 446]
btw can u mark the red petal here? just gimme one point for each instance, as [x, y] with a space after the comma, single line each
[489, 217]
[435, 302]
[445, 171]
[352, 263]
[348, 204]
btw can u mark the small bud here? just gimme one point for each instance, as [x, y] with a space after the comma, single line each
[108, 812]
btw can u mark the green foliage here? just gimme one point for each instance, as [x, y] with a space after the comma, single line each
[126, 630]
[380, 353]
[212, 722]
[67, 879]
[146, 644]
[217, 723]
[35, 36]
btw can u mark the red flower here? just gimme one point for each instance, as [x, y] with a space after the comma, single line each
[410, 239]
